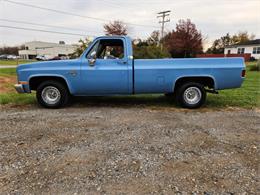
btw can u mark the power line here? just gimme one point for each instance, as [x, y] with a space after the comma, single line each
[45, 25]
[163, 15]
[115, 5]
[72, 14]
[41, 30]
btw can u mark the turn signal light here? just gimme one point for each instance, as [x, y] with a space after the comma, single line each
[243, 74]
[23, 82]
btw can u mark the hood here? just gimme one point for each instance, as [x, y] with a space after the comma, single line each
[43, 64]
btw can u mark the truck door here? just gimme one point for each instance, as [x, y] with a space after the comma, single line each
[105, 68]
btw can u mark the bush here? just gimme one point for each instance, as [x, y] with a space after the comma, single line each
[255, 67]
[252, 59]
[150, 52]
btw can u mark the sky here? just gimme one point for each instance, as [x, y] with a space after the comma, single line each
[214, 18]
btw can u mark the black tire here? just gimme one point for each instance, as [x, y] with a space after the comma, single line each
[170, 95]
[63, 92]
[182, 92]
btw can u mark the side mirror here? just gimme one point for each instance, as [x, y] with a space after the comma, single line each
[93, 57]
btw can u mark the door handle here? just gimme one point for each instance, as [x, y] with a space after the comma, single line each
[122, 62]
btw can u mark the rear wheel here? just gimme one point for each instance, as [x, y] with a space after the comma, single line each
[191, 95]
[52, 94]
[170, 95]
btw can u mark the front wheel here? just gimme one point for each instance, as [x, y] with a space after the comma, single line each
[52, 94]
[191, 95]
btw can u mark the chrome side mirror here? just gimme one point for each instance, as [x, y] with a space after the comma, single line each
[93, 57]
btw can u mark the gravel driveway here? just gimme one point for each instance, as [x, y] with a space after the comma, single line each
[117, 150]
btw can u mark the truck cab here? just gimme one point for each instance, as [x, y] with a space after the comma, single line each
[106, 67]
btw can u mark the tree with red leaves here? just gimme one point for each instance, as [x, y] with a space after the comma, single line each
[115, 28]
[185, 41]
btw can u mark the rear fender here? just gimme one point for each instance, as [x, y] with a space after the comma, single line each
[195, 76]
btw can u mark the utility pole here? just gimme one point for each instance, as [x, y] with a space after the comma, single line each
[163, 15]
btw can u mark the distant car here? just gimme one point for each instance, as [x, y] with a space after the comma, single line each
[44, 57]
[59, 58]
[64, 58]
[3, 56]
[40, 57]
[11, 57]
[56, 58]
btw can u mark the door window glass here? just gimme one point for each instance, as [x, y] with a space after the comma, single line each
[108, 49]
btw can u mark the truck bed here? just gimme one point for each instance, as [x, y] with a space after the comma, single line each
[159, 75]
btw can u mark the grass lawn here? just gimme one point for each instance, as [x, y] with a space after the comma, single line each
[15, 62]
[7, 71]
[17, 99]
[248, 96]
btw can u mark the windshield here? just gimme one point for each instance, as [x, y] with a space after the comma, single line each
[89, 44]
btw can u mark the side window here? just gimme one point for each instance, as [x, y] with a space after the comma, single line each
[108, 49]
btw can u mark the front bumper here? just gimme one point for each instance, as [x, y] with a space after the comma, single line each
[19, 88]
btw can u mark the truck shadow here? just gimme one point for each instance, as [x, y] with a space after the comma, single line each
[124, 101]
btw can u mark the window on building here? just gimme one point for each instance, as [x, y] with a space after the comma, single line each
[240, 50]
[256, 50]
[229, 51]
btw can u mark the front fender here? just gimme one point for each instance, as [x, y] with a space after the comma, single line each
[69, 85]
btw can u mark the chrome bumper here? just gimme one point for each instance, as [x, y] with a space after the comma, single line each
[19, 88]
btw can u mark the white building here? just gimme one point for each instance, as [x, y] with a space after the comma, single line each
[34, 48]
[251, 47]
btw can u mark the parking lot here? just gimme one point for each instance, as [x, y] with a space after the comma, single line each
[109, 149]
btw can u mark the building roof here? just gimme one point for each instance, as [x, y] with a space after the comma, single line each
[44, 45]
[248, 43]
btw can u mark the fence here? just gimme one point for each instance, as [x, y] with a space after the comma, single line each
[246, 56]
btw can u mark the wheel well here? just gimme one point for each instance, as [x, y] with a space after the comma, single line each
[36, 81]
[206, 81]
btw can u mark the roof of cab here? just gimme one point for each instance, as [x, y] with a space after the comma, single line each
[113, 36]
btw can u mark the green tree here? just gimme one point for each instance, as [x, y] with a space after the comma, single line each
[149, 48]
[219, 45]
[242, 37]
[154, 38]
[150, 52]
[82, 45]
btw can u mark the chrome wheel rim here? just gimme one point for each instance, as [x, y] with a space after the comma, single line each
[51, 95]
[192, 95]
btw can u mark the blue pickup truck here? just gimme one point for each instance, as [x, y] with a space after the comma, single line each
[107, 67]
